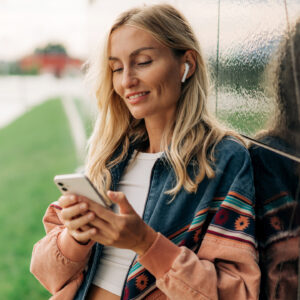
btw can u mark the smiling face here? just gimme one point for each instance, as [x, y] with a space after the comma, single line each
[146, 74]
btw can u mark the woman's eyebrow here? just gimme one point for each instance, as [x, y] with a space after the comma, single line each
[134, 53]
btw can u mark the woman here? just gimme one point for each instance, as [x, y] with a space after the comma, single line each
[183, 222]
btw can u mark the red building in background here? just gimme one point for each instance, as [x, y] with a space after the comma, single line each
[56, 63]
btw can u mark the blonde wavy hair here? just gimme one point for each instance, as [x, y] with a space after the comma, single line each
[194, 130]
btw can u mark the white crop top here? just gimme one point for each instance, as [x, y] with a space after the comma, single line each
[114, 263]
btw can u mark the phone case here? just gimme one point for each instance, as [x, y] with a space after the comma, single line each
[79, 184]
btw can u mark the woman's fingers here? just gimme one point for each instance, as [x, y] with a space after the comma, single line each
[83, 236]
[85, 227]
[101, 211]
[120, 199]
[106, 214]
[80, 229]
[80, 222]
[76, 217]
[86, 220]
[67, 200]
[74, 210]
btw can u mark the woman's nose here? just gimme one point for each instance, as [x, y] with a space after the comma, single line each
[129, 79]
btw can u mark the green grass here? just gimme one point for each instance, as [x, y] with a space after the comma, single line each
[32, 150]
[87, 117]
[247, 122]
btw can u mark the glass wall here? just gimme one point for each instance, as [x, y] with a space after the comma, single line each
[256, 71]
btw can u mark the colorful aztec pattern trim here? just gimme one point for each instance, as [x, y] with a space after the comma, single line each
[230, 217]
[278, 219]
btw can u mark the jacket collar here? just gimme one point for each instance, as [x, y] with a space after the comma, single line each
[117, 170]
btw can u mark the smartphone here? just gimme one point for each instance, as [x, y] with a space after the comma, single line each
[79, 184]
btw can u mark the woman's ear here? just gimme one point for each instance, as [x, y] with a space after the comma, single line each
[189, 64]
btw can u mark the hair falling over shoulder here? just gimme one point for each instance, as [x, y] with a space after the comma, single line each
[194, 130]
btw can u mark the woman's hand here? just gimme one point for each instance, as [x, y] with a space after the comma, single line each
[123, 230]
[75, 216]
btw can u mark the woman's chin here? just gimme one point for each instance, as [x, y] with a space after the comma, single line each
[138, 114]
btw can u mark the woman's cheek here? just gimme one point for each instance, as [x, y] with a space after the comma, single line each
[117, 87]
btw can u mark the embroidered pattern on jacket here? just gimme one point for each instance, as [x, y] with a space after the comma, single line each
[278, 219]
[230, 217]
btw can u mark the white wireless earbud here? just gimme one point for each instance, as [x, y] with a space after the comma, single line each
[186, 70]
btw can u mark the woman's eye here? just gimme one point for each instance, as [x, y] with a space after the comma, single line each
[145, 63]
[117, 70]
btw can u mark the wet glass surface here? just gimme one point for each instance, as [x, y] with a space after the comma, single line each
[256, 73]
[251, 37]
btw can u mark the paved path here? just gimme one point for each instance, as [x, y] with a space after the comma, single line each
[76, 127]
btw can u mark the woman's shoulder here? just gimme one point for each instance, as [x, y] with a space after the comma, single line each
[233, 168]
[231, 146]
[230, 156]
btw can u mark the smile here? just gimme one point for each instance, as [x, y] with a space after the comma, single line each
[137, 95]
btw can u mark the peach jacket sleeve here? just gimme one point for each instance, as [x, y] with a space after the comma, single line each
[58, 261]
[221, 269]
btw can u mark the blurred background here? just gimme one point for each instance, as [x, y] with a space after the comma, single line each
[47, 113]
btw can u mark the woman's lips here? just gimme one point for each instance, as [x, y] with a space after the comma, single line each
[134, 98]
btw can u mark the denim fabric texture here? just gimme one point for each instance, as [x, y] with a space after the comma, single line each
[233, 174]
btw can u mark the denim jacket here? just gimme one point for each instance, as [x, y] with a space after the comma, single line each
[206, 247]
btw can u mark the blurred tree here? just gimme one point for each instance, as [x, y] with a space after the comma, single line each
[52, 49]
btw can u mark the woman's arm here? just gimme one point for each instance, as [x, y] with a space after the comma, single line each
[225, 267]
[58, 260]
[220, 270]
[226, 264]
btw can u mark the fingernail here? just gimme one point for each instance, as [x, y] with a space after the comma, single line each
[93, 231]
[91, 216]
[83, 206]
[72, 197]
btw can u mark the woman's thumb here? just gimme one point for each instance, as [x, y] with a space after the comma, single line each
[120, 199]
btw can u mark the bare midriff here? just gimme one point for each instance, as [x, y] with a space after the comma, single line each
[98, 293]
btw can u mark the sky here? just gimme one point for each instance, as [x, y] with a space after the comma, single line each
[80, 24]
[26, 24]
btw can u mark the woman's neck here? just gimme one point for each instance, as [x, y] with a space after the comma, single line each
[155, 134]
